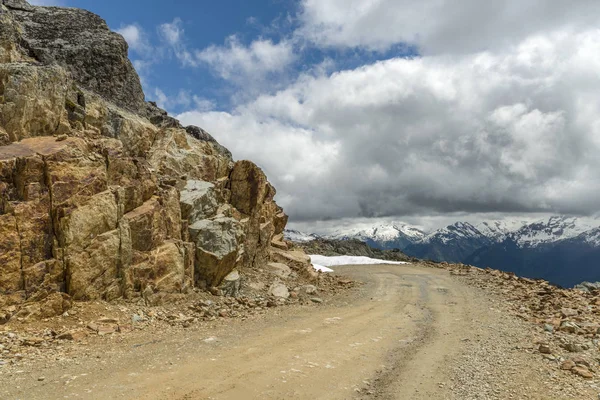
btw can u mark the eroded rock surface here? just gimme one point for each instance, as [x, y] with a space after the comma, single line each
[104, 196]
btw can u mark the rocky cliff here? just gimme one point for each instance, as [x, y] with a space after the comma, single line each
[103, 195]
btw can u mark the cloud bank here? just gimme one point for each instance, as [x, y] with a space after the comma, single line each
[497, 112]
[510, 131]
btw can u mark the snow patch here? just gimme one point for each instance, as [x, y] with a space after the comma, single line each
[321, 268]
[319, 261]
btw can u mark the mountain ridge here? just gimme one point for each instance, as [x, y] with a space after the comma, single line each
[562, 249]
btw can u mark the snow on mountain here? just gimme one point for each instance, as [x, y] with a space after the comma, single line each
[378, 232]
[381, 236]
[457, 231]
[453, 243]
[552, 230]
[497, 231]
[591, 237]
[297, 236]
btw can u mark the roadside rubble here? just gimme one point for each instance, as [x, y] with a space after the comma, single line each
[567, 321]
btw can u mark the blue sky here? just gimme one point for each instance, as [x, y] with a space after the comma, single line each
[203, 24]
[421, 111]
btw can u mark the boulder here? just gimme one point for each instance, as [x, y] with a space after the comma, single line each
[278, 289]
[232, 284]
[279, 270]
[296, 259]
[218, 244]
[198, 200]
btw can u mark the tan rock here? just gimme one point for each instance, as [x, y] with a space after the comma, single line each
[583, 372]
[545, 349]
[32, 99]
[10, 255]
[136, 134]
[567, 365]
[92, 270]
[568, 312]
[76, 334]
[231, 284]
[278, 289]
[55, 304]
[169, 268]
[296, 259]
[280, 221]
[248, 187]
[279, 244]
[75, 171]
[47, 275]
[90, 200]
[137, 183]
[280, 270]
[147, 225]
[98, 215]
[177, 154]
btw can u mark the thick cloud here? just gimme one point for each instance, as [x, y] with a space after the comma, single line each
[516, 129]
[439, 26]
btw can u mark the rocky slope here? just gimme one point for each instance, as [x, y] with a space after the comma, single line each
[567, 333]
[103, 195]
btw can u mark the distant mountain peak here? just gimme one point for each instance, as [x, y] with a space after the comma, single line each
[550, 230]
[297, 236]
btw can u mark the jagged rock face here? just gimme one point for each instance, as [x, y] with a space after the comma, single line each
[103, 196]
[82, 43]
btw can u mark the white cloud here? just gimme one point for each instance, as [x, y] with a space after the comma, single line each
[249, 65]
[182, 99]
[239, 63]
[511, 130]
[136, 38]
[172, 32]
[439, 26]
[172, 35]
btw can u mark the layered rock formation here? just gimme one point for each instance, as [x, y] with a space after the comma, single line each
[103, 195]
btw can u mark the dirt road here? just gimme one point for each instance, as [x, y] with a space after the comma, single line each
[411, 333]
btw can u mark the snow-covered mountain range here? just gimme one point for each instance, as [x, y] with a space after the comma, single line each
[300, 237]
[393, 236]
[560, 248]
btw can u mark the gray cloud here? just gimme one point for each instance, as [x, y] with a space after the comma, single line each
[439, 26]
[514, 130]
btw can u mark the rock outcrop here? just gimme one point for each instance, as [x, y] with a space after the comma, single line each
[103, 195]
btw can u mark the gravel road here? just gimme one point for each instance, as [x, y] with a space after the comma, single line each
[409, 332]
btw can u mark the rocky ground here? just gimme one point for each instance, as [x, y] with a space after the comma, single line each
[565, 323]
[425, 331]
